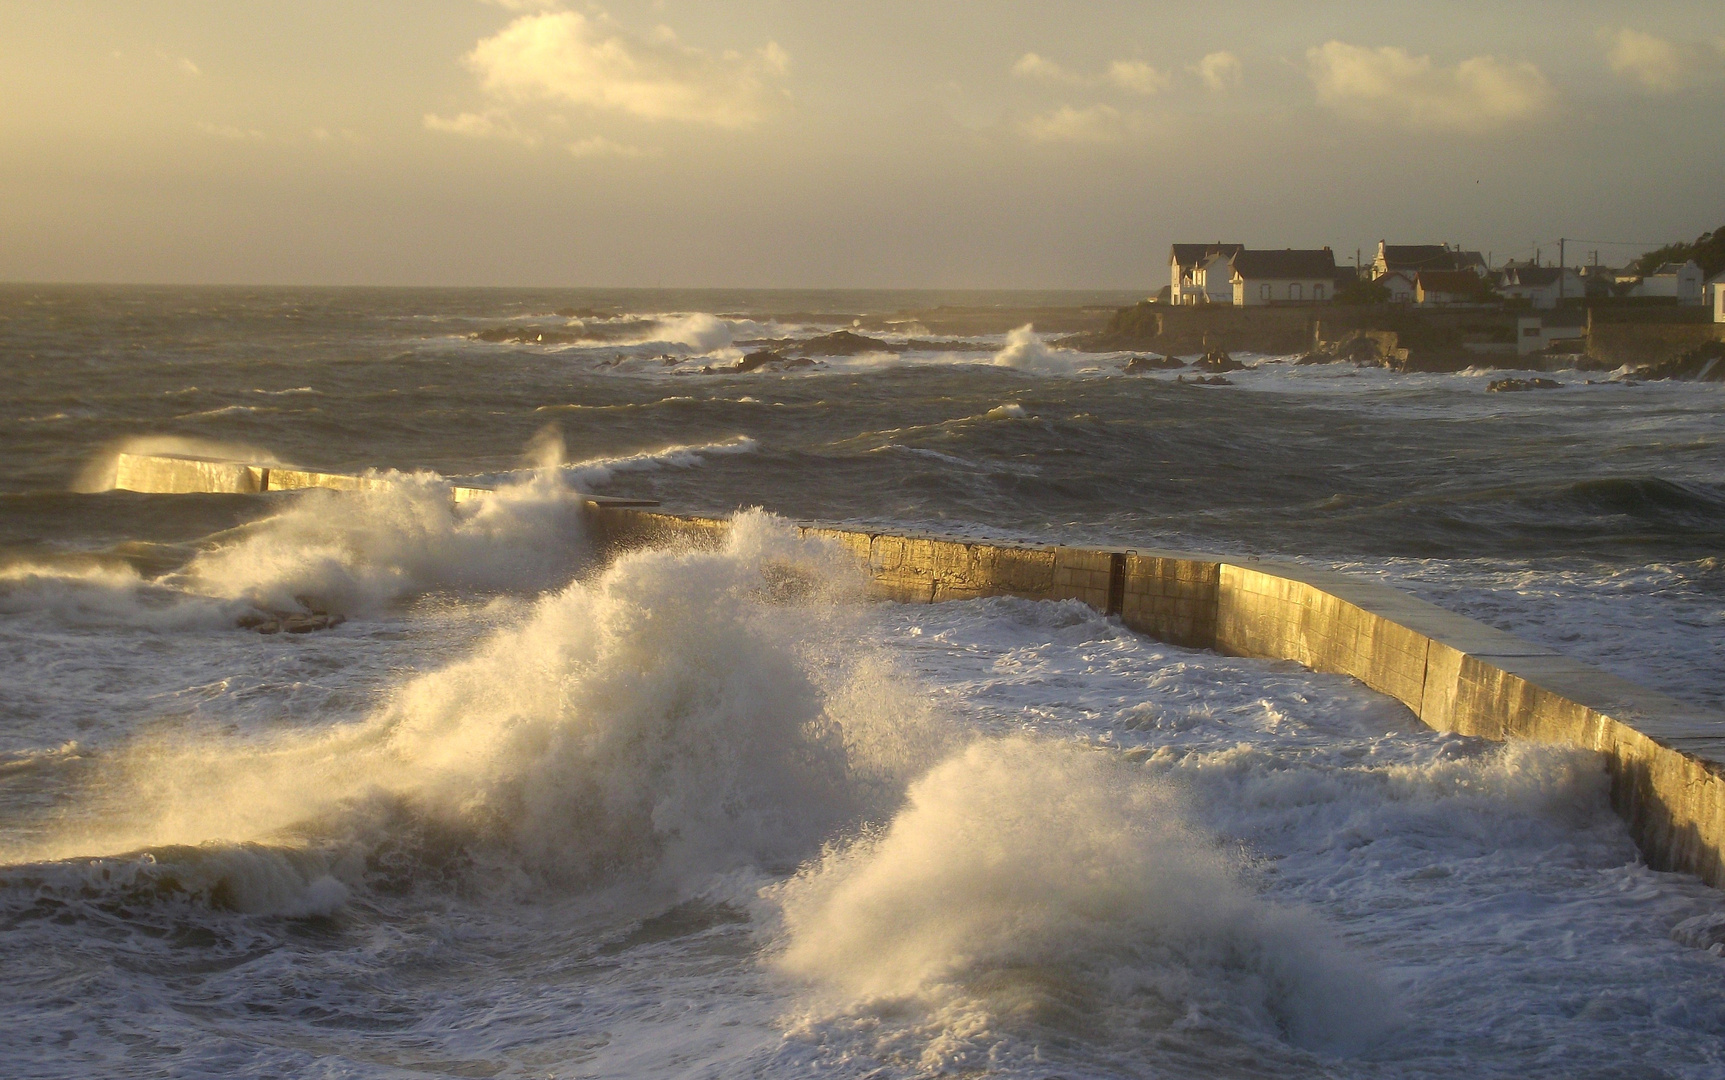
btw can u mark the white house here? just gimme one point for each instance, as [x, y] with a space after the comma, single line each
[1289, 276]
[1400, 283]
[1194, 276]
[1682, 281]
[1536, 333]
[1543, 285]
[1719, 298]
[1710, 291]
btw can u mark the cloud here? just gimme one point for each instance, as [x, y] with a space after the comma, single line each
[565, 57]
[1389, 85]
[1133, 76]
[1042, 69]
[490, 124]
[598, 146]
[1219, 70]
[1660, 66]
[523, 5]
[1095, 124]
[1137, 76]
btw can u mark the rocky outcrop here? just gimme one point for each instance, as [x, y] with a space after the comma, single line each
[1504, 386]
[1704, 363]
[1217, 361]
[1152, 363]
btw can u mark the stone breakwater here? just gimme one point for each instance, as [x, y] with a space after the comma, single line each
[1454, 673]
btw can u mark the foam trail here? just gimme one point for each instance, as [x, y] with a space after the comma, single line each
[1034, 883]
[595, 471]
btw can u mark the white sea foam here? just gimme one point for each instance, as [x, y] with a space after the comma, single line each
[354, 552]
[1025, 351]
[683, 713]
[1033, 884]
[595, 471]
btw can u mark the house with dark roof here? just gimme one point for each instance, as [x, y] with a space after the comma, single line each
[1198, 273]
[1291, 275]
[1447, 287]
[1543, 286]
[1412, 258]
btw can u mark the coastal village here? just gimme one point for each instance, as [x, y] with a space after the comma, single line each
[1442, 307]
[1441, 275]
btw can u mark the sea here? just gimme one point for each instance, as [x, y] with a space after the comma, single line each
[711, 813]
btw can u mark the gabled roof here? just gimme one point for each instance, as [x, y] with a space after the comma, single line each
[1670, 269]
[1532, 277]
[1413, 255]
[1287, 264]
[1191, 254]
[1448, 281]
[1428, 257]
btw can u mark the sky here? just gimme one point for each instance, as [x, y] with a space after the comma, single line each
[773, 143]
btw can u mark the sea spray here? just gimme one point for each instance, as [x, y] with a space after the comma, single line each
[680, 714]
[352, 552]
[1035, 888]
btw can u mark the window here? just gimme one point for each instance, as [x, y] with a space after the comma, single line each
[1317, 292]
[1263, 292]
[1294, 291]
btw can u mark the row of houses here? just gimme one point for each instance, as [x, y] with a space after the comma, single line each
[1422, 274]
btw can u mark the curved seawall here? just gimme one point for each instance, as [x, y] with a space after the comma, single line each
[1452, 672]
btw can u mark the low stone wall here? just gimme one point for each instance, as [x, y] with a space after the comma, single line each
[1617, 344]
[1453, 673]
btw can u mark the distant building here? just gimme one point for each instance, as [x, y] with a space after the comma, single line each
[1446, 287]
[1412, 258]
[1537, 333]
[1198, 273]
[1543, 286]
[1400, 284]
[1282, 277]
[1713, 293]
[1680, 280]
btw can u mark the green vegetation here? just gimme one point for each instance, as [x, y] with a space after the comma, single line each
[1363, 291]
[1708, 251]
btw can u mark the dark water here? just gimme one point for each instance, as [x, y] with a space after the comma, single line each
[516, 816]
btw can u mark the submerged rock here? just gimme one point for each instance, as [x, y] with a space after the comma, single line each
[1216, 361]
[1508, 385]
[1153, 363]
[289, 622]
[1702, 932]
[1205, 380]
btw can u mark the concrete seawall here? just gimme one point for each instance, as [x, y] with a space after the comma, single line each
[1452, 672]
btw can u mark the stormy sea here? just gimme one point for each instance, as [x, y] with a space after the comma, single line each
[524, 813]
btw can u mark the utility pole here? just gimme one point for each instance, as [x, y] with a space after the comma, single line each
[1560, 243]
